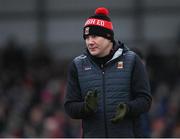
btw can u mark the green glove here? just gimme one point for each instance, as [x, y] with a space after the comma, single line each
[121, 111]
[91, 101]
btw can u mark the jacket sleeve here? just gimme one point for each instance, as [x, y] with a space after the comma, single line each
[140, 89]
[73, 102]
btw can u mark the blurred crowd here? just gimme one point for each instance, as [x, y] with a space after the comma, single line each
[32, 88]
[32, 85]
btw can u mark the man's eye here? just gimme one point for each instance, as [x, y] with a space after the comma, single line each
[94, 36]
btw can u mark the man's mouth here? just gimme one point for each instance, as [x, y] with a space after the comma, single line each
[93, 48]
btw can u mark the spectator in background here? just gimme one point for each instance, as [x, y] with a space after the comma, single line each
[14, 62]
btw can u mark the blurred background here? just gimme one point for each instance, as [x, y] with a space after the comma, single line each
[39, 38]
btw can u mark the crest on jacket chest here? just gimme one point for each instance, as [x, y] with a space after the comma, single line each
[120, 65]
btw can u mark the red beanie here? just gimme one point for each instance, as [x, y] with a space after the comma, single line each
[99, 24]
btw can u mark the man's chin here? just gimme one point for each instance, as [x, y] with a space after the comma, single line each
[94, 53]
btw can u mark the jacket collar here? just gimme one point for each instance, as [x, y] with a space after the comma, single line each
[119, 49]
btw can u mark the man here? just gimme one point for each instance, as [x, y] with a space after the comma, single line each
[107, 86]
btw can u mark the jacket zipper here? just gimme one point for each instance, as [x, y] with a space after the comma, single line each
[104, 100]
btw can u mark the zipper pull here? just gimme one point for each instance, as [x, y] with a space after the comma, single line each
[102, 66]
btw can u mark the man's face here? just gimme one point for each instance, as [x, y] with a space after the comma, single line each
[98, 46]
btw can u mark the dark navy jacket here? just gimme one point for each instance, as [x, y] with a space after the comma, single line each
[121, 79]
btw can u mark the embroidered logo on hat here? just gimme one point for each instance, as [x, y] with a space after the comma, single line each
[86, 31]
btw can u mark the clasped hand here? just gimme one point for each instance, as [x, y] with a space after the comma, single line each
[91, 101]
[120, 113]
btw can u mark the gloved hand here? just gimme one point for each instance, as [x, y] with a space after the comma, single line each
[121, 111]
[91, 101]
